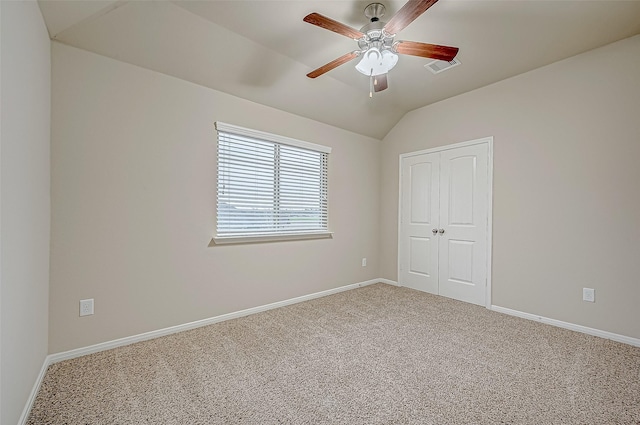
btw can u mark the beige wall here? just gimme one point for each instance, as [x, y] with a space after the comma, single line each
[25, 208]
[566, 174]
[133, 200]
[133, 196]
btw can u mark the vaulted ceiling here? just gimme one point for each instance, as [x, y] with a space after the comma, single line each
[262, 50]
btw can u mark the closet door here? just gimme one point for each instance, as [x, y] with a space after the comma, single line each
[464, 203]
[419, 218]
[443, 232]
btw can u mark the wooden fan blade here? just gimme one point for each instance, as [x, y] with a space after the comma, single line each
[333, 64]
[380, 83]
[433, 51]
[407, 14]
[331, 25]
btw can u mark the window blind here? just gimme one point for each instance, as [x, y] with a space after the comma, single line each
[269, 185]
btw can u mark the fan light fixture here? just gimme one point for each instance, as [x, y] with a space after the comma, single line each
[377, 47]
[375, 62]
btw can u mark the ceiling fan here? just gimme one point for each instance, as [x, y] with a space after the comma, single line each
[377, 44]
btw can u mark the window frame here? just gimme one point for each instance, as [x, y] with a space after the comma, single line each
[219, 239]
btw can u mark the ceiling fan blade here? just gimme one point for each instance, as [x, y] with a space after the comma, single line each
[407, 14]
[333, 64]
[331, 25]
[433, 51]
[380, 83]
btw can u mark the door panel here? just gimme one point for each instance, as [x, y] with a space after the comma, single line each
[461, 187]
[418, 247]
[420, 186]
[463, 217]
[460, 266]
[419, 253]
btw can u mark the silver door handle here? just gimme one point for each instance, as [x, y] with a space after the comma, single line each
[441, 231]
[434, 231]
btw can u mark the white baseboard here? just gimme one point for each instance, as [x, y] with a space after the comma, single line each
[388, 282]
[34, 391]
[571, 326]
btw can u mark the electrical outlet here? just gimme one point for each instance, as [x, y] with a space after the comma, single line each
[86, 307]
[364, 262]
[589, 295]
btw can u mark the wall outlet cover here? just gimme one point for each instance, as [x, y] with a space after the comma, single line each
[86, 307]
[589, 295]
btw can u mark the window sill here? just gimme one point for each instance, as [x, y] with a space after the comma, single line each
[227, 240]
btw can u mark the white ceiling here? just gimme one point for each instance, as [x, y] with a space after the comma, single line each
[262, 50]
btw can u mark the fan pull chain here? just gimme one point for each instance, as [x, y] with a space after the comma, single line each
[371, 83]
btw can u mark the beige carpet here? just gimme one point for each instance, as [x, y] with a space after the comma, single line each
[375, 355]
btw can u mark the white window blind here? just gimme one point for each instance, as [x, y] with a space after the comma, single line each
[269, 186]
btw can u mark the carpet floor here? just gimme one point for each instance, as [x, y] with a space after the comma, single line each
[374, 355]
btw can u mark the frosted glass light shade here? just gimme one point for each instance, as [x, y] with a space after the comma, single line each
[375, 62]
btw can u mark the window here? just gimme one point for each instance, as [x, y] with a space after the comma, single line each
[269, 187]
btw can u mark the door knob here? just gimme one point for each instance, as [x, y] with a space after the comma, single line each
[441, 231]
[434, 231]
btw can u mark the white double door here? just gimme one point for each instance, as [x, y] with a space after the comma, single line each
[443, 238]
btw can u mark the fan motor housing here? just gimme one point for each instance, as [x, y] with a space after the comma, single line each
[374, 35]
[373, 29]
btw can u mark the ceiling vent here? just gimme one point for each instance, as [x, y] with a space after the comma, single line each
[437, 66]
